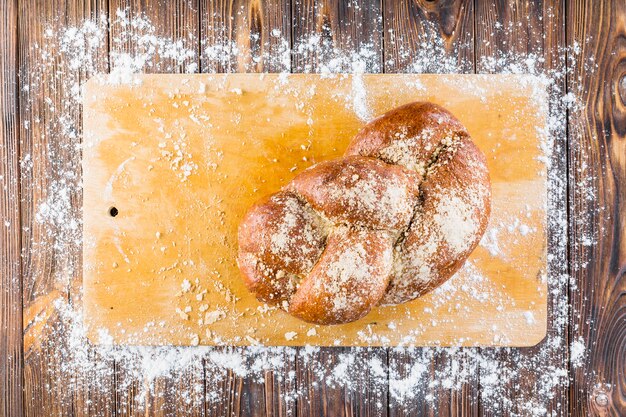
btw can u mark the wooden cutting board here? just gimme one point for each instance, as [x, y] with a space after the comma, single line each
[172, 162]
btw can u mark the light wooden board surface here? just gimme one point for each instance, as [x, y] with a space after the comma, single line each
[182, 157]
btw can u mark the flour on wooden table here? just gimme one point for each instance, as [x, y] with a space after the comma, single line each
[59, 214]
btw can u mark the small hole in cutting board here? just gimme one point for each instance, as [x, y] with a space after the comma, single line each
[113, 211]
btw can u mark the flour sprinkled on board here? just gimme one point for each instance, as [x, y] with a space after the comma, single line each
[58, 216]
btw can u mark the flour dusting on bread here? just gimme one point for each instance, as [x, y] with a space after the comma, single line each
[456, 219]
[351, 264]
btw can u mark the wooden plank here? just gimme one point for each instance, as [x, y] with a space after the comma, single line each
[336, 36]
[135, 396]
[247, 36]
[598, 226]
[429, 36]
[50, 176]
[432, 382]
[89, 398]
[255, 388]
[336, 25]
[43, 393]
[342, 382]
[175, 391]
[553, 41]
[93, 389]
[315, 22]
[10, 223]
[360, 33]
[511, 31]
[281, 386]
[164, 26]
[443, 32]
[167, 31]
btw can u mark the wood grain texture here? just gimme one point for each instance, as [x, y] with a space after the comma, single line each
[50, 156]
[360, 26]
[322, 27]
[309, 18]
[430, 396]
[281, 387]
[180, 393]
[87, 398]
[263, 392]
[245, 35]
[434, 28]
[10, 224]
[535, 29]
[597, 142]
[435, 391]
[598, 160]
[169, 20]
[93, 390]
[359, 390]
[444, 29]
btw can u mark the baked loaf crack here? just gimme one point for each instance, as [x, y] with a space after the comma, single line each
[394, 218]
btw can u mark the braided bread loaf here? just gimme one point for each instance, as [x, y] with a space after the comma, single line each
[394, 218]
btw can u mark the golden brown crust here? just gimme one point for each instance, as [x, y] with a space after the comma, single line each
[360, 191]
[390, 221]
[435, 247]
[279, 240]
[409, 135]
[349, 279]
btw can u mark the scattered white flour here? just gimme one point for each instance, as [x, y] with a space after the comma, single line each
[530, 317]
[577, 352]
[211, 317]
[508, 230]
[185, 286]
[409, 372]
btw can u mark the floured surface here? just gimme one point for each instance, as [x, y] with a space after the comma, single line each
[183, 157]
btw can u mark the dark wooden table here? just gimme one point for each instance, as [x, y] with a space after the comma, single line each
[596, 153]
